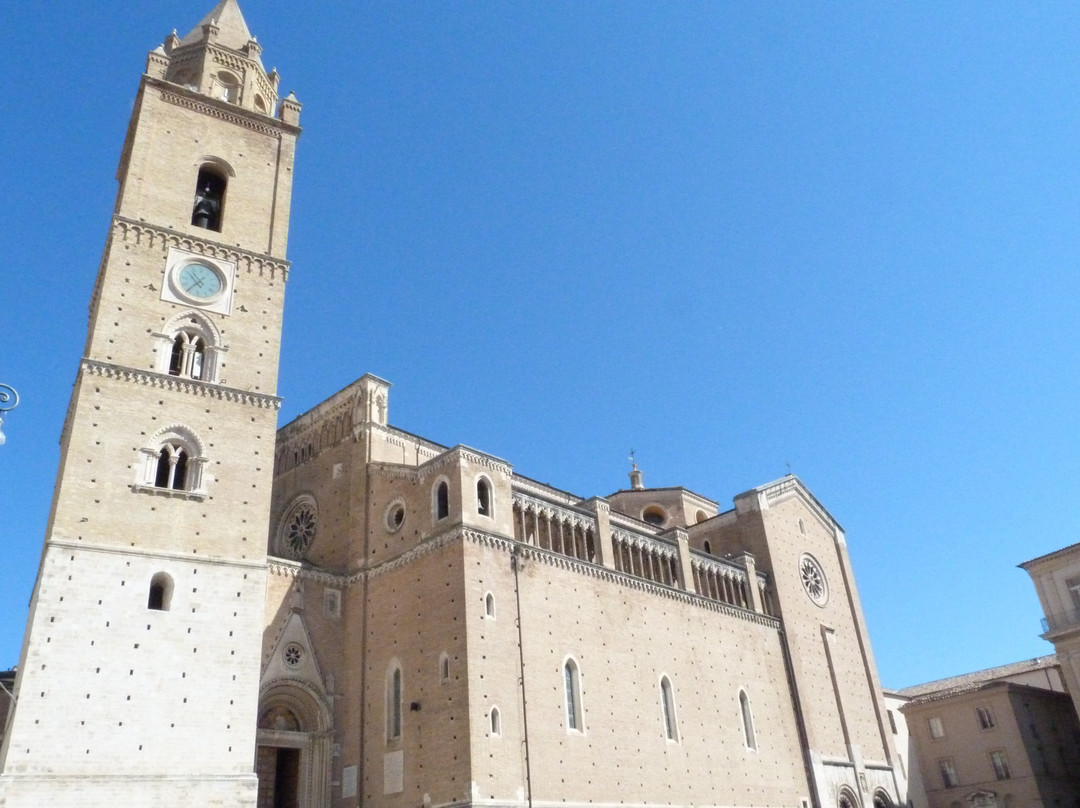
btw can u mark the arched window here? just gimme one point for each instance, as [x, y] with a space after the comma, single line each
[442, 500]
[496, 722]
[483, 497]
[228, 87]
[489, 606]
[749, 736]
[882, 800]
[209, 205]
[172, 466]
[190, 347]
[847, 799]
[161, 588]
[708, 547]
[444, 669]
[172, 461]
[188, 355]
[393, 704]
[572, 687]
[667, 707]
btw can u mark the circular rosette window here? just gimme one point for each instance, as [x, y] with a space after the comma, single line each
[298, 527]
[293, 655]
[813, 579]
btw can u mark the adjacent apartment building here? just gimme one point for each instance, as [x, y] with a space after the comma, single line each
[1005, 737]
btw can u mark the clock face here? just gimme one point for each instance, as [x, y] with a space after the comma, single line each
[199, 282]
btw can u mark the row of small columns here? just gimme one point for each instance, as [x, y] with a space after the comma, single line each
[685, 579]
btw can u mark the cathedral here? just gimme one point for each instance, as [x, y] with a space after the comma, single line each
[338, 612]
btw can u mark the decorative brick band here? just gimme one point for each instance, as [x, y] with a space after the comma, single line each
[191, 386]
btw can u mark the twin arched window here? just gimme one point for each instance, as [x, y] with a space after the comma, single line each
[172, 467]
[188, 355]
[190, 347]
[173, 461]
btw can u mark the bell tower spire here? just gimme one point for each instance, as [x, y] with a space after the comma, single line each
[139, 675]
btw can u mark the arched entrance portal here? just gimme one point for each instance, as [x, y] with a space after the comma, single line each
[294, 739]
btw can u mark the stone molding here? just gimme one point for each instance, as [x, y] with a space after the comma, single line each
[295, 569]
[178, 97]
[279, 566]
[185, 558]
[527, 486]
[149, 378]
[472, 456]
[163, 238]
[393, 471]
[565, 513]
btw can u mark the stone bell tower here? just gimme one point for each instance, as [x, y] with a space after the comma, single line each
[139, 674]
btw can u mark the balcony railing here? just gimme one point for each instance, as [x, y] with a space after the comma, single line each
[1059, 622]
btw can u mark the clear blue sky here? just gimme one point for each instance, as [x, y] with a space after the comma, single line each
[733, 236]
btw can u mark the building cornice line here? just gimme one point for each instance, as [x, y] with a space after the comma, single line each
[222, 110]
[149, 378]
[142, 551]
[249, 261]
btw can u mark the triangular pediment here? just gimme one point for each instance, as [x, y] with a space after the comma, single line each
[294, 656]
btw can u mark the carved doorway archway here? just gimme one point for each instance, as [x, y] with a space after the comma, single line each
[294, 739]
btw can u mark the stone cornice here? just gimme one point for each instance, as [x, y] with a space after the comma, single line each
[222, 110]
[186, 558]
[527, 486]
[464, 453]
[573, 513]
[164, 237]
[295, 569]
[163, 381]
[553, 559]
[394, 471]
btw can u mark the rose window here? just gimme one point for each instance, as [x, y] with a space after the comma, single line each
[297, 529]
[293, 654]
[813, 580]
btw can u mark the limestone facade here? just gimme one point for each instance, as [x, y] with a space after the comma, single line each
[1056, 577]
[347, 614]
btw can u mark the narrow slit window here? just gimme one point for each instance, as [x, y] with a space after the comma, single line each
[749, 736]
[442, 501]
[393, 706]
[489, 606]
[572, 684]
[444, 669]
[496, 722]
[483, 498]
[667, 706]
